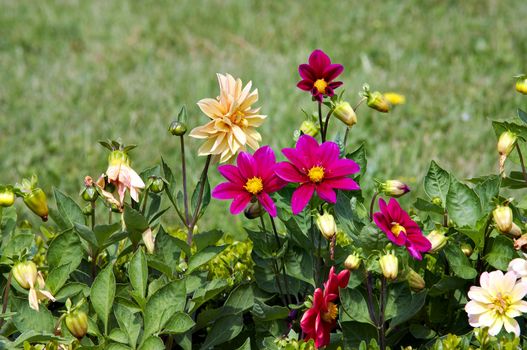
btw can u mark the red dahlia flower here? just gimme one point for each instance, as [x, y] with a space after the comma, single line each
[253, 177]
[318, 75]
[321, 318]
[316, 167]
[400, 228]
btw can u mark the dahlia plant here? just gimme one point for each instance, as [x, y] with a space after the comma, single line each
[331, 261]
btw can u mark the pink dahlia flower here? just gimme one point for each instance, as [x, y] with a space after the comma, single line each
[317, 168]
[321, 318]
[253, 177]
[400, 228]
[318, 75]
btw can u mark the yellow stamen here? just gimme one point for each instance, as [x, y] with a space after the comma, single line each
[501, 303]
[321, 85]
[316, 174]
[332, 313]
[396, 229]
[254, 185]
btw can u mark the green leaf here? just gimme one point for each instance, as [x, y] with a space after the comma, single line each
[459, 262]
[17, 244]
[69, 211]
[102, 294]
[223, 330]
[522, 115]
[138, 272]
[359, 156]
[446, 284]
[463, 204]
[208, 238]
[129, 321]
[263, 312]
[207, 292]
[118, 335]
[355, 306]
[152, 343]
[437, 182]
[179, 323]
[501, 253]
[26, 319]
[65, 249]
[354, 333]
[162, 305]
[104, 232]
[201, 258]
[87, 234]
[487, 190]
[424, 205]
[404, 304]
[246, 345]
[72, 289]
[205, 200]
[240, 299]
[135, 223]
[57, 277]
[31, 336]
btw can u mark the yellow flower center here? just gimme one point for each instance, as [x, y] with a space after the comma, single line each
[321, 85]
[501, 303]
[254, 185]
[332, 313]
[396, 229]
[316, 174]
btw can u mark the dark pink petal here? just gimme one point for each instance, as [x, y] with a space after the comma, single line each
[246, 165]
[323, 331]
[344, 278]
[385, 210]
[317, 95]
[227, 190]
[420, 242]
[381, 222]
[332, 71]
[273, 184]
[306, 72]
[414, 252]
[342, 167]
[396, 212]
[289, 173]
[319, 60]
[240, 202]
[329, 91]
[343, 183]
[301, 197]
[267, 203]
[326, 193]
[231, 173]
[307, 147]
[305, 85]
[335, 84]
[328, 153]
[265, 161]
[295, 157]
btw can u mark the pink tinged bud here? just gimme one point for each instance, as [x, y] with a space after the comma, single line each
[503, 218]
[515, 231]
[377, 101]
[389, 266]
[437, 240]
[26, 274]
[327, 225]
[309, 128]
[148, 239]
[37, 202]
[394, 188]
[415, 281]
[7, 196]
[352, 262]
[345, 113]
[506, 143]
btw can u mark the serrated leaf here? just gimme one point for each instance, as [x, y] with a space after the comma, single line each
[463, 204]
[138, 272]
[522, 115]
[102, 294]
[199, 259]
[69, 211]
[65, 249]
[459, 262]
[501, 253]
[437, 182]
[179, 323]
[223, 330]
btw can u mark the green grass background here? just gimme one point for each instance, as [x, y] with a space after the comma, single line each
[74, 72]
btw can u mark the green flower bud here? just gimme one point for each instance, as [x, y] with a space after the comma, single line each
[77, 323]
[466, 249]
[345, 113]
[36, 201]
[521, 84]
[309, 128]
[89, 194]
[327, 225]
[25, 273]
[7, 196]
[415, 281]
[506, 143]
[253, 211]
[177, 128]
[389, 266]
[377, 101]
[437, 201]
[352, 262]
[503, 218]
[437, 239]
[157, 185]
[394, 188]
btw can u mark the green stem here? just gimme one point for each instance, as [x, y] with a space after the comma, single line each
[170, 342]
[145, 200]
[6, 298]
[359, 103]
[372, 204]
[382, 337]
[481, 264]
[185, 189]
[92, 215]
[322, 132]
[328, 116]
[521, 161]
[195, 217]
[346, 138]
[286, 282]
[110, 217]
[369, 288]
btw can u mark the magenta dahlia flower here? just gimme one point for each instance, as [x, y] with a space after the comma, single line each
[400, 228]
[321, 318]
[317, 168]
[318, 75]
[253, 178]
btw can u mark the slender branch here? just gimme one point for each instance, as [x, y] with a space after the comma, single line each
[328, 116]
[371, 311]
[480, 264]
[170, 342]
[185, 189]
[286, 282]
[92, 214]
[359, 103]
[521, 161]
[202, 181]
[145, 200]
[346, 137]
[110, 217]
[372, 204]
[322, 132]
[382, 337]
[6, 298]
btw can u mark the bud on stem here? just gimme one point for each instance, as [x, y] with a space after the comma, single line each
[37, 202]
[389, 266]
[502, 216]
[77, 323]
[506, 143]
[327, 225]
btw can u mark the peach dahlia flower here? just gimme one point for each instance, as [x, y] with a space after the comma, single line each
[233, 121]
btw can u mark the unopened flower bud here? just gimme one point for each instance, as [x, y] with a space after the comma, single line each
[394, 188]
[502, 218]
[377, 101]
[89, 194]
[157, 185]
[7, 196]
[416, 282]
[466, 249]
[25, 273]
[36, 201]
[437, 240]
[394, 98]
[327, 225]
[389, 266]
[77, 323]
[506, 143]
[345, 113]
[309, 128]
[253, 211]
[437, 201]
[521, 84]
[515, 231]
[352, 262]
[118, 157]
[177, 128]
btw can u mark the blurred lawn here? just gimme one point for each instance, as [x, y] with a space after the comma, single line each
[74, 72]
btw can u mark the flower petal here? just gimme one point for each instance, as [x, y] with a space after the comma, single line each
[246, 165]
[231, 173]
[318, 60]
[240, 202]
[227, 190]
[267, 203]
[332, 71]
[326, 193]
[343, 183]
[301, 197]
[289, 172]
[306, 72]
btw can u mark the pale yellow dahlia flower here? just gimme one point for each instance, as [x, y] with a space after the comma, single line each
[497, 302]
[233, 122]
